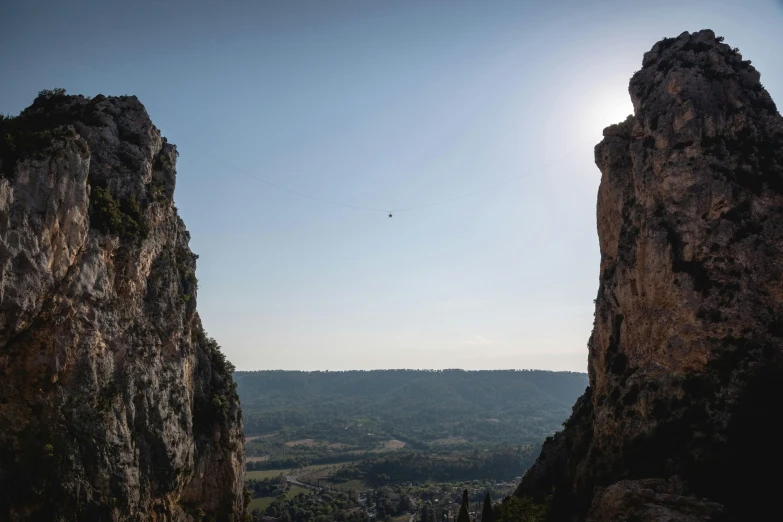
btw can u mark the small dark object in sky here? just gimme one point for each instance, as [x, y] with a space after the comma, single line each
[390, 214]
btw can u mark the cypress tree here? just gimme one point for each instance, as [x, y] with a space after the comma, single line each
[486, 514]
[464, 515]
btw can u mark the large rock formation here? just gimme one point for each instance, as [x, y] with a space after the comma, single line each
[685, 359]
[114, 404]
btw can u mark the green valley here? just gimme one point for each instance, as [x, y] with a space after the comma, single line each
[386, 443]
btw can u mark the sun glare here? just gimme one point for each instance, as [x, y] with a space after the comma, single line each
[608, 104]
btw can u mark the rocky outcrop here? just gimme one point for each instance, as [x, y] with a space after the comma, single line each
[686, 355]
[114, 404]
[651, 499]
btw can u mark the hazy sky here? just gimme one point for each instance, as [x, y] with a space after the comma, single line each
[383, 104]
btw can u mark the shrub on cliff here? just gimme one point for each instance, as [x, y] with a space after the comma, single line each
[522, 509]
[19, 139]
[218, 402]
[123, 218]
[30, 133]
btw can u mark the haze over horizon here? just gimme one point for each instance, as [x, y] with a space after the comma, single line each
[382, 105]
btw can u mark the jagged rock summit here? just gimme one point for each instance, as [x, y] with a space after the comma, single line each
[114, 404]
[685, 358]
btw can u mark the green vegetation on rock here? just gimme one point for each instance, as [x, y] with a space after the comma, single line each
[522, 509]
[124, 218]
[31, 132]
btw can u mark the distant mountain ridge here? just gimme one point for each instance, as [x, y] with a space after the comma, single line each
[418, 406]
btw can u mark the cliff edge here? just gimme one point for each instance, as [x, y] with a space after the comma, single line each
[114, 404]
[686, 354]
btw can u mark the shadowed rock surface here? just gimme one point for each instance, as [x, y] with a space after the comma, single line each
[114, 404]
[651, 499]
[686, 376]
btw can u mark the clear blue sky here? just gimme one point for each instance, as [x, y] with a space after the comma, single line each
[388, 105]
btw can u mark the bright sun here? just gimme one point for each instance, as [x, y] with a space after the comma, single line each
[609, 104]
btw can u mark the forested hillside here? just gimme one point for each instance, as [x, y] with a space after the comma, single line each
[294, 417]
[395, 431]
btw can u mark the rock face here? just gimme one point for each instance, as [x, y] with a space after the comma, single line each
[685, 359]
[114, 404]
[651, 499]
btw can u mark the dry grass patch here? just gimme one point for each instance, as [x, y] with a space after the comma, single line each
[265, 473]
[394, 444]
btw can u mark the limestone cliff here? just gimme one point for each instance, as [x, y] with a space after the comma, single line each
[686, 355]
[114, 404]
